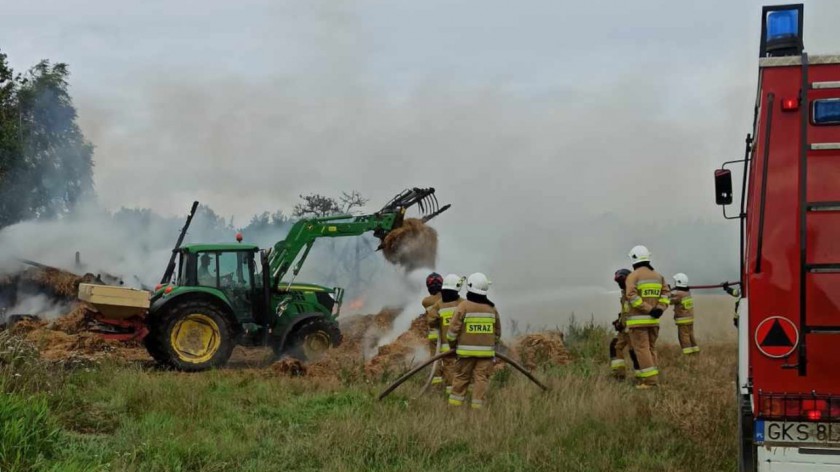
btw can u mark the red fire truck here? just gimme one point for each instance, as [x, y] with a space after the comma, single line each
[789, 314]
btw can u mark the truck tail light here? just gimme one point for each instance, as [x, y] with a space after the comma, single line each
[772, 407]
[790, 104]
[806, 407]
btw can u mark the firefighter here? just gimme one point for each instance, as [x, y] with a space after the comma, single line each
[648, 296]
[684, 314]
[735, 292]
[434, 282]
[621, 341]
[474, 333]
[440, 315]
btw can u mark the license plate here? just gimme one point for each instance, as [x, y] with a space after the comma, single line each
[793, 432]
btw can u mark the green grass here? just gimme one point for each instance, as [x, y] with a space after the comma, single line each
[127, 417]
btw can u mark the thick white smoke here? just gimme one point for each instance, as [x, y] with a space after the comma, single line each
[552, 176]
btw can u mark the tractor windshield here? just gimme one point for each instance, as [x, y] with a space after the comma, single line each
[224, 269]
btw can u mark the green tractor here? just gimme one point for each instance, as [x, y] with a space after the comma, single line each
[223, 295]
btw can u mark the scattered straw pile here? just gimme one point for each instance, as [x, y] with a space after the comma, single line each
[363, 332]
[76, 321]
[361, 336]
[27, 325]
[289, 367]
[53, 282]
[67, 339]
[413, 245]
[59, 282]
[398, 356]
[411, 347]
[540, 349]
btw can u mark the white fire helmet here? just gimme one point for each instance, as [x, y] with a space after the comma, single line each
[639, 254]
[453, 282]
[478, 283]
[681, 280]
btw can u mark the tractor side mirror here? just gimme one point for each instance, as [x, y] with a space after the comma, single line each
[723, 187]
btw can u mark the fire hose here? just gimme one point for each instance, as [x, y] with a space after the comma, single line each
[720, 285]
[436, 358]
[431, 373]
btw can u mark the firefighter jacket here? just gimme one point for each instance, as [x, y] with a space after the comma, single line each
[625, 309]
[646, 290]
[428, 302]
[440, 315]
[683, 306]
[475, 330]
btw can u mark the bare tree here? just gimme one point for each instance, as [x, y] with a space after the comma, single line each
[352, 202]
[316, 205]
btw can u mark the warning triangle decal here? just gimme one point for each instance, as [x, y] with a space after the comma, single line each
[777, 336]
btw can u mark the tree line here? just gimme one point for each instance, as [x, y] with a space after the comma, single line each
[46, 164]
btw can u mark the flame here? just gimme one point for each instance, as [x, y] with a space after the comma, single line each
[357, 303]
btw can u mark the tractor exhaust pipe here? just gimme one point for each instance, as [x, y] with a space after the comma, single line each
[170, 268]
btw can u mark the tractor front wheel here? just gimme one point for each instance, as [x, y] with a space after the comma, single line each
[311, 340]
[191, 336]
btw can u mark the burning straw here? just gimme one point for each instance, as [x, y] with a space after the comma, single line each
[413, 245]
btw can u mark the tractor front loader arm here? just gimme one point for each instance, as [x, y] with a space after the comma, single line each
[305, 232]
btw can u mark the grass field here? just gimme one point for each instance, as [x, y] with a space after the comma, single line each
[136, 418]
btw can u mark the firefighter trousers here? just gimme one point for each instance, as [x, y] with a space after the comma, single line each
[447, 366]
[471, 370]
[643, 341]
[618, 345]
[437, 377]
[685, 333]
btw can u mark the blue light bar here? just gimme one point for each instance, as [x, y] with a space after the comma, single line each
[826, 112]
[782, 24]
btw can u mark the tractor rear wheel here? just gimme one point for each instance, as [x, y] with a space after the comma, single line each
[191, 336]
[310, 340]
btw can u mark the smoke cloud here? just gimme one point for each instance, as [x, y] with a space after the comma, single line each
[562, 137]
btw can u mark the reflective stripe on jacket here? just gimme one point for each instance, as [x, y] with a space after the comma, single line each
[646, 290]
[683, 307]
[625, 308]
[440, 314]
[428, 302]
[475, 328]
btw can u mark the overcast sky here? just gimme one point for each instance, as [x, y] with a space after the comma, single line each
[212, 70]
[537, 120]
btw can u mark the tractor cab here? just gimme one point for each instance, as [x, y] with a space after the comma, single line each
[235, 272]
[227, 268]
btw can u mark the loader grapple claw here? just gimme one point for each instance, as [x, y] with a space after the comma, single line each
[424, 198]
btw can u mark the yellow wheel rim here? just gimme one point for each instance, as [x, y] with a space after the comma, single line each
[316, 344]
[195, 338]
